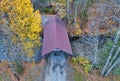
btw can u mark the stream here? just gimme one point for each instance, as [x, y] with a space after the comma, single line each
[56, 67]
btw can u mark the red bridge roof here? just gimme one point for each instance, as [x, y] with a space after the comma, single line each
[55, 36]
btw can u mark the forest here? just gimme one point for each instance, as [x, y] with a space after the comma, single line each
[93, 28]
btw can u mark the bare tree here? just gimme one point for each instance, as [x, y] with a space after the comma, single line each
[68, 10]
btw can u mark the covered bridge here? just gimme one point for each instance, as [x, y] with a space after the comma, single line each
[55, 37]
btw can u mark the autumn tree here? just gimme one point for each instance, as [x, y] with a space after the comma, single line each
[20, 28]
[24, 23]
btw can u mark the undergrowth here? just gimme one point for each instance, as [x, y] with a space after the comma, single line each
[77, 76]
[84, 62]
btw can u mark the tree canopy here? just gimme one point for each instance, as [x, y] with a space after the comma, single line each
[24, 23]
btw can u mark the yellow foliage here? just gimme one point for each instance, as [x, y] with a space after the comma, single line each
[77, 30]
[84, 62]
[62, 2]
[30, 53]
[24, 22]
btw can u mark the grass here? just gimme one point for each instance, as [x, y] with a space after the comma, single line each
[78, 76]
[19, 68]
[7, 77]
[117, 78]
[0, 78]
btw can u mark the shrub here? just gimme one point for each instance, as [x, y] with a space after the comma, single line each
[0, 78]
[77, 76]
[47, 10]
[19, 68]
[116, 71]
[82, 61]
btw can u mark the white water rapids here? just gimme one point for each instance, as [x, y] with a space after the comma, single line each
[56, 70]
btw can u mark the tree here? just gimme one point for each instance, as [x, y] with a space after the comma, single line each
[68, 10]
[111, 62]
[24, 22]
[20, 27]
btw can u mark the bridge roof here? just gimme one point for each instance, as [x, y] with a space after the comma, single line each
[55, 36]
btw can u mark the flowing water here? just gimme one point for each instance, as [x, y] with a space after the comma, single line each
[56, 67]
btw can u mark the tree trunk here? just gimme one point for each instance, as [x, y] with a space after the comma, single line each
[110, 54]
[68, 11]
[114, 57]
[75, 16]
[118, 60]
